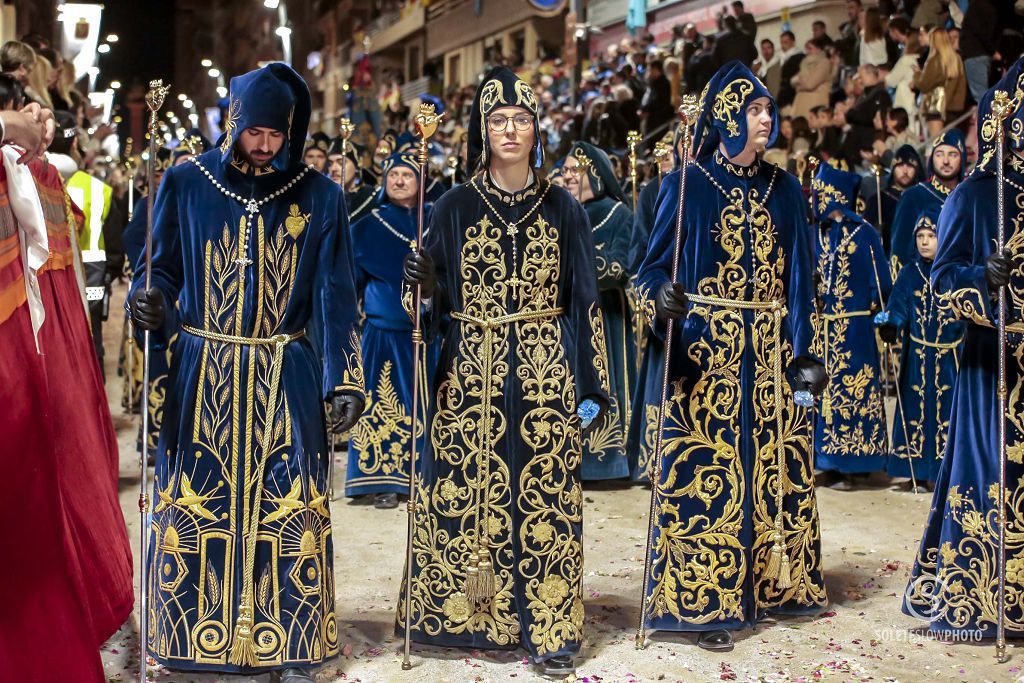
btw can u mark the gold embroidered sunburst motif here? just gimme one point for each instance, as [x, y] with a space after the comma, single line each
[491, 96]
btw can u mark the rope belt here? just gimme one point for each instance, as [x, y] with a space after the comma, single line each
[243, 649]
[778, 562]
[481, 583]
[946, 346]
[826, 319]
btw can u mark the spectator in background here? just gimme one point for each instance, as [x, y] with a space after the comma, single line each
[656, 105]
[827, 137]
[673, 72]
[978, 34]
[930, 13]
[813, 81]
[732, 43]
[690, 43]
[865, 114]
[12, 95]
[627, 106]
[901, 78]
[895, 134]
[17, 60]
[899, 29]
[872, 39]
[37, 87]
[701, 66]
[941, 82]
[819, 30]
[769, 68]
[744, 20]
[790, 58]
[849, 34]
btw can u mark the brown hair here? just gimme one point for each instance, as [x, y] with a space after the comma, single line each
[14, 54]
[873, 25]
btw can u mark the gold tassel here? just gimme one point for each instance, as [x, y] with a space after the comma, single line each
[486, 578]
[243, 649]
[826, 409]
[785, 578]
[472, 585]
[775, 558]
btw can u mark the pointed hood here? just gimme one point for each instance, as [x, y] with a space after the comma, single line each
[1012, 83]
[953, 138]
[501, 87]
[603, 182]
[723, 106]
[833, 189]
[276, 97]
[907, 155]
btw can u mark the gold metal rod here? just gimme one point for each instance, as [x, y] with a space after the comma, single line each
[688, 112]
[426, 124]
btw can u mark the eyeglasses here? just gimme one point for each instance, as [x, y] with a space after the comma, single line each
[499, 122]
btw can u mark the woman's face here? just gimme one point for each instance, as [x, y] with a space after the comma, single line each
[786, 128]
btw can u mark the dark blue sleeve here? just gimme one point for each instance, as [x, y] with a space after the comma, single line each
[965, 242]
[335, 285]
[801, 266]
[901, 300]
[168, 265]
[656, 268]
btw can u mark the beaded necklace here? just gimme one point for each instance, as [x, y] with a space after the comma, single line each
[608, 217]
[252, 206]
[394, 231]
[512, 229]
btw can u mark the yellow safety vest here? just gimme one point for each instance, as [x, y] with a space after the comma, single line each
[93, 197]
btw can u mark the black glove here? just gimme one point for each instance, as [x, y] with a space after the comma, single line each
[670, 304]
[888, 333]
[345, 411]
[148, 309]
[997, 270]
[602, 415]
[418, 269]
[807, 374]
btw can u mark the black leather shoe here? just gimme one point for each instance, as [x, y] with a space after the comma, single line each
[385, 501]
[716, 641]
[560, 666]
[292, 676]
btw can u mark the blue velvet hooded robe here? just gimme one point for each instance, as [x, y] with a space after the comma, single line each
[643, 424]
[500, 474]
[850, 430]
[745, 240]
[378, 452]
[611, 220]
[241, 559]
[931, 338]
[917, 199]
[891, 193]
[954, 580]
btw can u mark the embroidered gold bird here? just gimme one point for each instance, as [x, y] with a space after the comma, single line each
[318, 502]
[287, 505]
[193, 501]
[166, 499]
[296, 221]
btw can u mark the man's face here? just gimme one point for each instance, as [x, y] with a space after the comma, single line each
[946, 162]
[759, 123]
[21, 74]
[335, 164]
[853, 10]
[511, 134]
[927, 243]
[260, 145]
[316, 158]
[818, 30]
[578, 183]
[903, 175]
[868, 76]
[767, 52]
[401, 185]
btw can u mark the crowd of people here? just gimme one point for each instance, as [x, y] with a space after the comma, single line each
[809, 236]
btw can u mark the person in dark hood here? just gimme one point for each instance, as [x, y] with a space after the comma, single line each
[740, 310]
[595, 186]
[906, 171]
[509, 275]
[253, 246]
